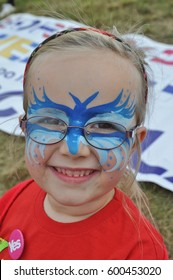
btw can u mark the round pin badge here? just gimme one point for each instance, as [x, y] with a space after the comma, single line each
[16, 244]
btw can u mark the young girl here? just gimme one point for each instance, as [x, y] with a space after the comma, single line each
[85, 98]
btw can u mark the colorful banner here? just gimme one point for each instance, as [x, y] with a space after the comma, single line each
[21, 33]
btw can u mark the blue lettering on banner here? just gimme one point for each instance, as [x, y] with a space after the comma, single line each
[168, 89]
[10, 111]
[24, 60]
[6, 73]
[170, 179]
[22, 25]
[32, 25]
[149, 169]
[14, 57]
[47, 28]
[3, 36]
[25, 24]
[152, 136]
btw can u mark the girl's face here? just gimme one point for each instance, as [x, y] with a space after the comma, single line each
[78, 88]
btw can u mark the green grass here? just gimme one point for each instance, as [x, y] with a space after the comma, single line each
[156, 19]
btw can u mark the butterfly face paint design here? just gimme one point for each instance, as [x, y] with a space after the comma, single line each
[80, 115]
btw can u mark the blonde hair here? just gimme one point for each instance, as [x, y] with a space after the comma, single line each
[92, 39]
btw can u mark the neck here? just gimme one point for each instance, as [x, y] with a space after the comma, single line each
[69, 214]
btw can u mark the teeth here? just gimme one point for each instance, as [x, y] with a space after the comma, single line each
[76, 174]
[69, 173]
[87, 172]
[63, 171]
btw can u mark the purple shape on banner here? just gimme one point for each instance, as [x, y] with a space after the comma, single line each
[24, 59]
[151, 83]
[14, 57]
[145, 168]
[168, 89]
[2, 36]
[152, 136]
[10, 94]
[34, 45]
[149, 169]
[47, 28]
[10, 111]
[7, 112]
[170, 179]
[22, 26]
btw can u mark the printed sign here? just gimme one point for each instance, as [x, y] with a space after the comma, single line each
[21, 33]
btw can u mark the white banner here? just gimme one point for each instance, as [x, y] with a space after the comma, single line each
[21, 33]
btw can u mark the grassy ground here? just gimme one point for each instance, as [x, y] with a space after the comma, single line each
[156, 17]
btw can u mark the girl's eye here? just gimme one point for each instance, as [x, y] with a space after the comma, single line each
[48, 122]
[104, 127]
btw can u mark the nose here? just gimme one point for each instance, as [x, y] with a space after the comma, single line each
[75, 144]
[83, 150]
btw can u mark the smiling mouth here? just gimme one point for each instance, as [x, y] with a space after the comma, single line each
[74, 173]
[74, 176]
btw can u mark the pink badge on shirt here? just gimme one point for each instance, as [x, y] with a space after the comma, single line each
[16, 244]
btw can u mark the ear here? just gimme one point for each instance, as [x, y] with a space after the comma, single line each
[21, 126]
[141, 133]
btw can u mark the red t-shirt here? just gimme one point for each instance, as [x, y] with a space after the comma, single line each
[111, 233]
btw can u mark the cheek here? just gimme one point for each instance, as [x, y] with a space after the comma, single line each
[114, 160]
[35, 153]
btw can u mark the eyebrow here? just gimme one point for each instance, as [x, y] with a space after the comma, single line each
[118, 105]
[48, 111]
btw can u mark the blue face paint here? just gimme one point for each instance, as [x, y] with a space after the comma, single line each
[80, 115]
[115, 159]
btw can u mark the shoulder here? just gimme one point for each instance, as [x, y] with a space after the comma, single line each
[145, 238]
[15, 190]
[11, 195]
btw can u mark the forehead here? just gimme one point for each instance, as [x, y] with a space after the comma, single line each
[82, 73]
